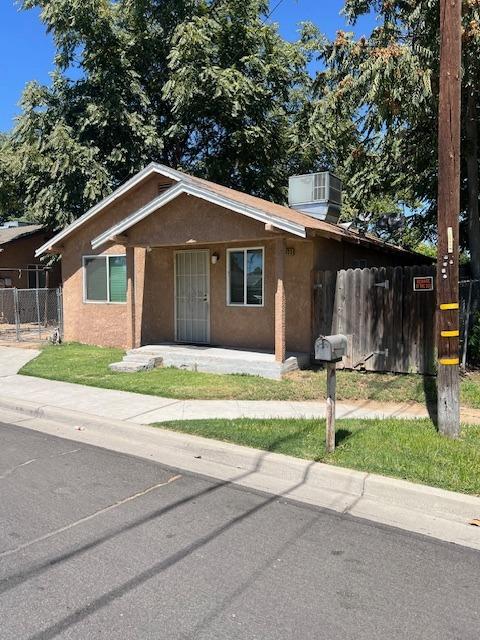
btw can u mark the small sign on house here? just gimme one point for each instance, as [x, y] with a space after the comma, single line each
[423, 283]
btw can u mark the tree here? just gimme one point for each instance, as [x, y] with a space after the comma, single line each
[202, 85]
[11, 200]
[388, 82]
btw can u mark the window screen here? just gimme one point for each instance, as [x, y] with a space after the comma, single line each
[96, 279]
[255, 276]
[118, 278]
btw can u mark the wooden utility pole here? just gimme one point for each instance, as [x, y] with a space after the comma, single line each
[448, 217]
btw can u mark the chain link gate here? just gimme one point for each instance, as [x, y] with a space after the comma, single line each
[30, 314]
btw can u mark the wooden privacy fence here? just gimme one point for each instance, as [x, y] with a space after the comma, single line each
[389, 326]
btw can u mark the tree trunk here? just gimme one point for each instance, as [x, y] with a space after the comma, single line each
[471, 155]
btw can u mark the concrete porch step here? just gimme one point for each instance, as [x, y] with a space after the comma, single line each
[210, 359]
[133, 362]
[152, 360]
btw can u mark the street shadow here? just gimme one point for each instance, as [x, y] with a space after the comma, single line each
[244, 586]
[275, 447]
[14, 580]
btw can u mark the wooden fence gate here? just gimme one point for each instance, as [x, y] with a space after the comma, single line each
[389, 326]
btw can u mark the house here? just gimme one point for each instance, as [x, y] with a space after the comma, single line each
[19, 267]
[170, 259]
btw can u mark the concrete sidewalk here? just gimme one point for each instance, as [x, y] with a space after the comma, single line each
[145, 409]
[12, 359]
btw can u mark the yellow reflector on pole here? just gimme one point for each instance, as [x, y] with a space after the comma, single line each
[449, 306]
[449, 361]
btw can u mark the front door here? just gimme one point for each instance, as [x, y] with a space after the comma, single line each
[192, 293]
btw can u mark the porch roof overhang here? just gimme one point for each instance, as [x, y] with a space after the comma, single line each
[205, 194]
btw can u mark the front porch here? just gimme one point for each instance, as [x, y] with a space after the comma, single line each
[210, 359]
[172, 307]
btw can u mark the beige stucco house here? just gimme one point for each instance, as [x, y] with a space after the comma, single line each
[169, 258]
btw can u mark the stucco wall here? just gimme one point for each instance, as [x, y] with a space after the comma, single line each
[195, 222]
[248, 327]
[99, 323]
[298, 284]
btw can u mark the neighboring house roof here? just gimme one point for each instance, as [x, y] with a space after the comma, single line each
[9, 234]
[279, 216]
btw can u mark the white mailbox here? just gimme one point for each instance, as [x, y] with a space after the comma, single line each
[330, 348]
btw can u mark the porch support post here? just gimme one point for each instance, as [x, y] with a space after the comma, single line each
[280, 303]
[131, 338]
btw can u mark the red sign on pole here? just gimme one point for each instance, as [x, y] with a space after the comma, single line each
[423, 283]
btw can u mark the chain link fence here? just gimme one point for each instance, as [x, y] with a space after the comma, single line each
[30, 314]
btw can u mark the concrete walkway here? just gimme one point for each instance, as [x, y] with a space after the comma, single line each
[12, 359]
[145, 409]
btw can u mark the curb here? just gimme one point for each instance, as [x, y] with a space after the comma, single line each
[423, 509]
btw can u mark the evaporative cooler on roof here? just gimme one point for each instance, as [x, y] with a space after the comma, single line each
[317, 194]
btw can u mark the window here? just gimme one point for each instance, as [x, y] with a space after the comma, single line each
[37, 278]
[105, 278]
[245, 277]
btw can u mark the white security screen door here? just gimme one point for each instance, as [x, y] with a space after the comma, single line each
[192, 293]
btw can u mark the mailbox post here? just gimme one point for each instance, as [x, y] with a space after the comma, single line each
[330, 349]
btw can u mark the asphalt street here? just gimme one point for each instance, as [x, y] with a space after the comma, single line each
[96, 544]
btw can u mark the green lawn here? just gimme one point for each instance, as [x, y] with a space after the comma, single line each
[89, 365]
[411, 449]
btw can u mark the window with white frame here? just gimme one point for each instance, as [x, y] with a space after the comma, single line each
[105, 278]
[245, 275]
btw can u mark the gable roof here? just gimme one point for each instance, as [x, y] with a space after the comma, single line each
[233, 204]
[279, 216]
[9, 234]
[115, 195]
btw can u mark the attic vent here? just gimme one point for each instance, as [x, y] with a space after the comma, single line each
[317, 194]
[163, 186]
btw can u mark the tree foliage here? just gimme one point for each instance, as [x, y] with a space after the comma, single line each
[204, 86]
[11, 188]
[388, 85]
[210, 87]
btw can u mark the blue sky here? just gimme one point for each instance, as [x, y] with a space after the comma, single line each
[26, 51]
